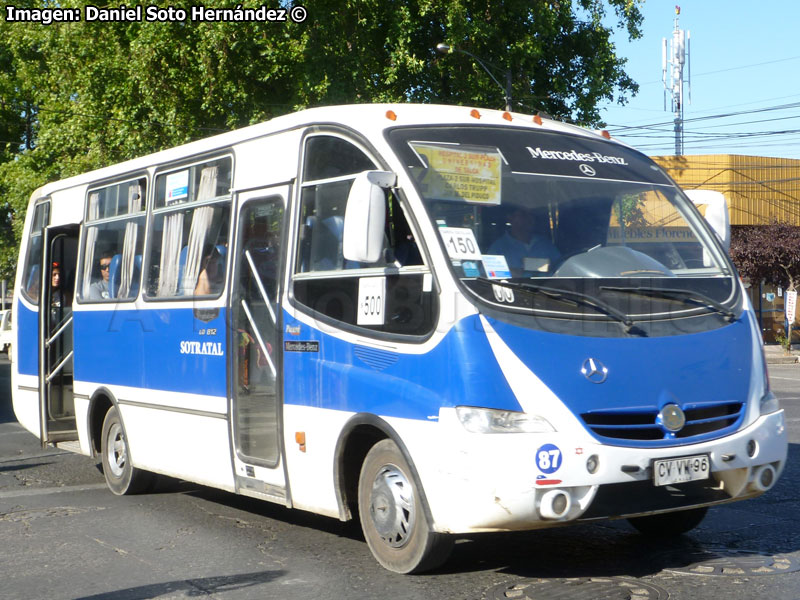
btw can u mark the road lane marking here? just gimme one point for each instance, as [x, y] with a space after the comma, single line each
[46, 491]
[24, 457]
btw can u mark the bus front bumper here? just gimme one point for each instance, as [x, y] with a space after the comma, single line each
[493, 482]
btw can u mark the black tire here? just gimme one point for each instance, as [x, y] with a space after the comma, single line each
[672, 524]
[121, 477]
[392, 515]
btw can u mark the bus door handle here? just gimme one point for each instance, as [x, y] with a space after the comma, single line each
[61, 329]
[60, 366]
[261, 289]
[261, 343]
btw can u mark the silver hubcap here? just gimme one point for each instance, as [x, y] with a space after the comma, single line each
[116, 453]
[392, 506]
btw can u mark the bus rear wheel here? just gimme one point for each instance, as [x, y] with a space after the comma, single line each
[671, 524]
[392, 517]
[122, 478]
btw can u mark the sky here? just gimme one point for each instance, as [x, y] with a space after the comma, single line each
[745, 59]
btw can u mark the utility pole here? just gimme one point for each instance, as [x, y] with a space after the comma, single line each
[674, 56]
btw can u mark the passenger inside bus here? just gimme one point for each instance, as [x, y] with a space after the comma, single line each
[212, 271]
[57, 300]
[99, 289]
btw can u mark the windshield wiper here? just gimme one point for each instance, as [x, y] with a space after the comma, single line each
[683, 295]
[569, 296]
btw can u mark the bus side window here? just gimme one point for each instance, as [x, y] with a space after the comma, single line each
[113, 241]
[328, 283]
[189, 241]
[31, 281]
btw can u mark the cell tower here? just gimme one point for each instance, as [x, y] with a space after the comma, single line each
[674, 56]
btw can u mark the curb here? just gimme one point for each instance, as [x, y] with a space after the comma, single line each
[774, 355]
[780, 359]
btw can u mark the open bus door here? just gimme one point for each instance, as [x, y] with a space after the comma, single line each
[257, 344]
[56, 401]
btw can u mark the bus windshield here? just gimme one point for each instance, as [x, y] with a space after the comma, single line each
[564, 225]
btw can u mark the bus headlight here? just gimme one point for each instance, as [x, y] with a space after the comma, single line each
[769, 403]
[489, 420]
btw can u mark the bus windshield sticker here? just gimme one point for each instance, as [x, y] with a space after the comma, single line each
[177, 186]
[471, 269]
[496, 266]
[464, 174]
[460, 243]
[371, 300]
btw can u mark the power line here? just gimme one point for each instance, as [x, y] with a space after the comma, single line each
[611, 128]
[703, 131]
[750, 66]
[761, 64]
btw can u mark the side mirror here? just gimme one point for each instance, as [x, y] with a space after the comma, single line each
[716, 213]
[365, 216]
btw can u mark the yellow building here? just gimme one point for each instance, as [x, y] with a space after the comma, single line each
[758, 188]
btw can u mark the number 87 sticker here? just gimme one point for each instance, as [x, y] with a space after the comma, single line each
[548, 458]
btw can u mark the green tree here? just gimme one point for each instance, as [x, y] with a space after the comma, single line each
[78, 96]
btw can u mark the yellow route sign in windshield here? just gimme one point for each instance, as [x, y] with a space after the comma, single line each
[462, 174]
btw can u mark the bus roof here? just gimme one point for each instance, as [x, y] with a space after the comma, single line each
[368, 119]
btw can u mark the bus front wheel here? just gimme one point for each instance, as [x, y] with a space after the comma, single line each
[669, 524]
[392, 517]
[122, 478]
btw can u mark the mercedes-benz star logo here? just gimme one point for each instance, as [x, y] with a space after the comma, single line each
[594, 370]
[587, 170]
[671, 418]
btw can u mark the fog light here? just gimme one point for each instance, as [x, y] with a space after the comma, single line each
[592, 463]
[763, 478]
[555, 504]
[767, 478]
[560, 504]
[752, 448]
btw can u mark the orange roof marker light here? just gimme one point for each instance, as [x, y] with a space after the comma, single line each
[391, 115]
[605, 134]
[507, 115]
[537, 119]
[475, 114]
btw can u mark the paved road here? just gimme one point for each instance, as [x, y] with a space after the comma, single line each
[63, 536]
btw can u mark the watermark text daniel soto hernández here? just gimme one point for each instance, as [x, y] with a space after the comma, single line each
[155, 14]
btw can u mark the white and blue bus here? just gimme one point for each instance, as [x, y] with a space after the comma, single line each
[438, 320]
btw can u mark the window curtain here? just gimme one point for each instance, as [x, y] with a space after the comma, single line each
[91, 242]
[170, 253]
[201, 223]
[129, 245]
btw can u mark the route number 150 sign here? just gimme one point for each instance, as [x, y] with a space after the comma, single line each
[460, 243]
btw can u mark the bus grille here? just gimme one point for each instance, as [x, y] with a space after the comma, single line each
[641, 425]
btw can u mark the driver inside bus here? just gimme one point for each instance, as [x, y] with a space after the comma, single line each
[523, 248]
